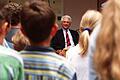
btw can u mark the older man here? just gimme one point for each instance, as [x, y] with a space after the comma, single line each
[65, 37]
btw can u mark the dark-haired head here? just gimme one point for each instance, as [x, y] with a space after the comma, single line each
[3, 16]
[3, 3]
[13, 12]
[37, 20]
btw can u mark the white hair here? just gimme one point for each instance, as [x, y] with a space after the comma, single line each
[66, 16]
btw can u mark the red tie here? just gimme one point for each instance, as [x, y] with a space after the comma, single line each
[67, 38]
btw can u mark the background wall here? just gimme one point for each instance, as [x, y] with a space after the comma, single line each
[76, 8]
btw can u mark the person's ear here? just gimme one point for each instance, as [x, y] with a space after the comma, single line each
[54, 30]
[4, 28]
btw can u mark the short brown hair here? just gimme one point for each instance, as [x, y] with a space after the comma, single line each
[37, 19]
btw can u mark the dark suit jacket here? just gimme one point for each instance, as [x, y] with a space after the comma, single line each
[58, 41]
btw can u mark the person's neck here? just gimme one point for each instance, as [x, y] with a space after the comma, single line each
[45, 43]
[1, 40]
[65, 29]
[16, 26]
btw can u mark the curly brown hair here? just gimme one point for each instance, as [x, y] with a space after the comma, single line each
[13, 10]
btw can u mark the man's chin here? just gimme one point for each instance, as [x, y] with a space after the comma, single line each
[66, 28]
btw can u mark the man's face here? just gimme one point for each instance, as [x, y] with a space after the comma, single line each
[66, 23]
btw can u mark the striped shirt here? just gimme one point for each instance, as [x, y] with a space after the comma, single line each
[42, 63]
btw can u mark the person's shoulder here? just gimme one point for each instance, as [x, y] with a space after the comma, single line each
[4, 50]
[57, 57]
[64, 66]
[11, 64]
[73, 31]
[11, 53]
[60, 59]
[73, 51]
[60, 30]
[58, 33]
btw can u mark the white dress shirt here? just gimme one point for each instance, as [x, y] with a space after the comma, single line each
[70, 37]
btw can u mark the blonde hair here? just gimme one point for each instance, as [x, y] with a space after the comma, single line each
[20, 41]
[107, 54]
[89, 20]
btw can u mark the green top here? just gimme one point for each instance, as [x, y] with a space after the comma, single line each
[10, 68]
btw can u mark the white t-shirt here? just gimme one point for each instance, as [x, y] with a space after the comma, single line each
[79, 63]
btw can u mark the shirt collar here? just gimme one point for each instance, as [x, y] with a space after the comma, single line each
[39, 48]
[64, 29]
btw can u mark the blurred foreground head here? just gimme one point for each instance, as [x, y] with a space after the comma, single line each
[107, 55]
[37, 20]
